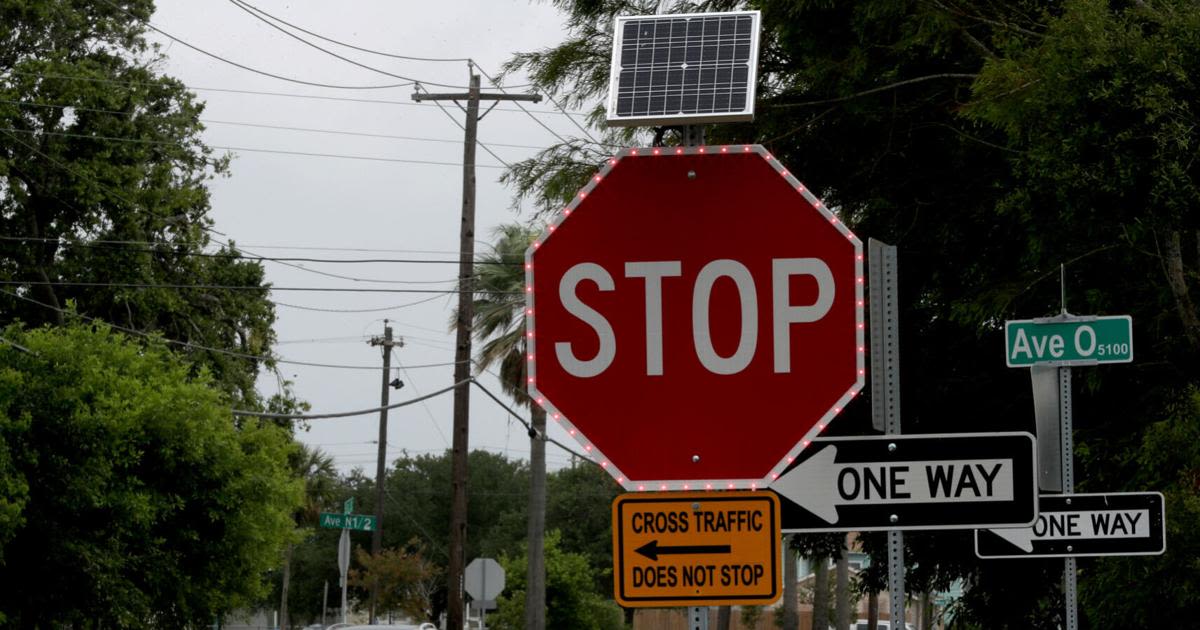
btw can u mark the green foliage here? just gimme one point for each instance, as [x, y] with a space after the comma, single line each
[571, 601]
[992, 143]
[579, 505]
[98, 146]
[142, 505]
[407, 580]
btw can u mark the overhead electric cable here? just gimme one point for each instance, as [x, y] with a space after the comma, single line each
[535, 118]
[529, 427]
[383, 309]
[335, 55]
[196, 346]
[36, 132]
[342, 414]
[334, 41]
[220, 287]
[237, 123]
[463, 127]
[318, 97]
[248, 68]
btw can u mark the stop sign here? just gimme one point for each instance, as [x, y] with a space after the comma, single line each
[695, 316]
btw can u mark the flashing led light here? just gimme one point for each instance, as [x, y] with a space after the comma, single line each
[774, 475]
[656, 152]
[821, 427]
[566, 212]
[612, 162]
[800, 188]
[537, 244]
[588, 448]
[791, 459]
[767, 157]
[686, 487]
[529, 289]
[860, 326]
[859, 280]
[724, 149]
[557, 417]
[529, 311]
[596, 178]
[530, 357]
[745, 149]
[542, 401]
[641, 487]
[550, 227]
[679, 151]
[708, 486]
[754, 486]
[859, 257]
[620, 480]
[784, 173]
[528, 266]
[633, 152]
[833, 219]
[582, 195]
[604, 464]
[862, 349]
[862, 372]
[860, 303]
[852, 393]
[731, 485]
[529, 335]
[529, 380]
[850, 235]
[702, 151]
[804, 444]
[572, 431]
[663, 487]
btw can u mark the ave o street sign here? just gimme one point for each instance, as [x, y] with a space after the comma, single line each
[932, 481]
[1068, 340]
[696, 548]
[695, 317]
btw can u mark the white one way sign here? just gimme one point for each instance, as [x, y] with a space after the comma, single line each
[1119, 524]
[910, 482]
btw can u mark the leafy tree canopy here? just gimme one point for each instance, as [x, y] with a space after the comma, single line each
[102, 180]
[131, 499]
[992, 143]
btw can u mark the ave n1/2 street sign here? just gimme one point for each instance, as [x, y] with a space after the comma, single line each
[1117, 524]
[361, 522]
[1068, 340]
[696, 548]
[933, 481]
[682, 290]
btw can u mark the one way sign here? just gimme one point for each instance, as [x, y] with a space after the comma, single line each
[1118, 524]
[936, 481]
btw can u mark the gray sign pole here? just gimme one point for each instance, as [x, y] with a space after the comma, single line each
[1068, 483]
[885, 388]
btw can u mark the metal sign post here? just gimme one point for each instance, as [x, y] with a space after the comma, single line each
[885, 387]
[1068, 477]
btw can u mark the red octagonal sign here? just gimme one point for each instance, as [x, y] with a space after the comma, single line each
[695, 317]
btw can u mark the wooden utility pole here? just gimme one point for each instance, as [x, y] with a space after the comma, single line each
[381, 459]
[455, 608]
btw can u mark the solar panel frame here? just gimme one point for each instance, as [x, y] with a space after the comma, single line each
[703, 72]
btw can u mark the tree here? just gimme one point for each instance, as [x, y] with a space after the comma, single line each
[499, 323]
[569, 592]
[407, 580]
[992, 142]
[102, 182]
[315, 469]
[139, 503]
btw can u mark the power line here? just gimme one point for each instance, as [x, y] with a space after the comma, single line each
[463, 127]
[522, 107]
[238, 123]
[356, 310]
[105, 242]
[366, 50]
[333, 54]
[528, 426]
[220, 287]
[248, 68]
[196, 346]
[342, 414]
[318, 97]
[246, 149]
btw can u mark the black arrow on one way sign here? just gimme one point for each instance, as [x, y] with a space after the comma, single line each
[652, 549]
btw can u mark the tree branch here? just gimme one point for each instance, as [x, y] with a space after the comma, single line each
[882, 88]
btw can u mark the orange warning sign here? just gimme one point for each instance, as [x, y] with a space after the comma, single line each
[696, 548]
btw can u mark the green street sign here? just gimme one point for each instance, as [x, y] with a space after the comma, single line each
[1068, 341]
[359, 522]
[348, 506]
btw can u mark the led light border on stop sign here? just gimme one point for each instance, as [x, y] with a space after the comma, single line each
[704, 484]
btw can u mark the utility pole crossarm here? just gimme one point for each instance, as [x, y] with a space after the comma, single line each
[483, 96]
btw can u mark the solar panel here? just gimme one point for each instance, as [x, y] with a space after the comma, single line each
[683, 68]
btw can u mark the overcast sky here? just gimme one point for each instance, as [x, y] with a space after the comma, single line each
[275, 204]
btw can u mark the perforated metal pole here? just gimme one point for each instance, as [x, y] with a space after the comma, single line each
[885, 388]
[1068, 482]
[698, 618]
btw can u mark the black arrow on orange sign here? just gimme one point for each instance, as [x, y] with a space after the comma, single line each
[652, 549]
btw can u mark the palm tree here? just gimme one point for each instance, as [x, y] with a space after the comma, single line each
[499, 324]
[315, 468]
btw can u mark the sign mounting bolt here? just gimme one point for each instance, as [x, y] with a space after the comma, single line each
[695, 459]
[891, 447]
[893, 518]
[691, 174]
